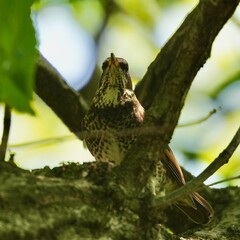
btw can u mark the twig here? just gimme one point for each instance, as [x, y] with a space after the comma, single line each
[224, 180]
[42, 141]
[199, 120]
[194, 184]
[6, 130]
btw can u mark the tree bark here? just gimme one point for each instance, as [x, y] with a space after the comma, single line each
[77, 202]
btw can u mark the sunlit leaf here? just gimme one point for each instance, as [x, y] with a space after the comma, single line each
[18, 54]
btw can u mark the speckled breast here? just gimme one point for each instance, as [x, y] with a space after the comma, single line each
[110, 131]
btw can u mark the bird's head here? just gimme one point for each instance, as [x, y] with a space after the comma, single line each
[114, 81]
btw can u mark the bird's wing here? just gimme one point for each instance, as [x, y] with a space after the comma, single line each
[173, 166]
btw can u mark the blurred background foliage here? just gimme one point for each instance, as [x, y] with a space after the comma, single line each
[76, 36]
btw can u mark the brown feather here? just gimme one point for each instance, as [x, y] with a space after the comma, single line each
[194, 206]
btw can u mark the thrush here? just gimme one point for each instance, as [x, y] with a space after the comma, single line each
[112, 123]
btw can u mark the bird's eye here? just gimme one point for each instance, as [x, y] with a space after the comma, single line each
[123, 66]
[105, 64]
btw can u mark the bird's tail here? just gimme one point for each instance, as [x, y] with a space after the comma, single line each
[199, 211]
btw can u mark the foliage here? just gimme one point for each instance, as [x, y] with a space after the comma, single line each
[18, 54]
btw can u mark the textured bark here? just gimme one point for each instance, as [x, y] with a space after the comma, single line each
[68, 105]
[98, 202]
[79, 202]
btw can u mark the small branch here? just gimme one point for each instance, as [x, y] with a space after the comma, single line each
[43, 141]
[194, 184]
[5, 135]
[199, 120]
[224, 180]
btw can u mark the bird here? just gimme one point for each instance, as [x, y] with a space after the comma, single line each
[111, 125]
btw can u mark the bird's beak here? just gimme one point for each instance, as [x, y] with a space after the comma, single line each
[113, 60]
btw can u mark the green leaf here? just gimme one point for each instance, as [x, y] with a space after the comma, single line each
[17, 54]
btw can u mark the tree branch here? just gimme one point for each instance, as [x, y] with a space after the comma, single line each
[164, 87]
[197, 182]
[201, 120]
[68, 105]
[5, 135]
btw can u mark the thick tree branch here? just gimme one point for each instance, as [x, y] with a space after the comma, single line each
[76, 204]
[164, 88]
[59, 96]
